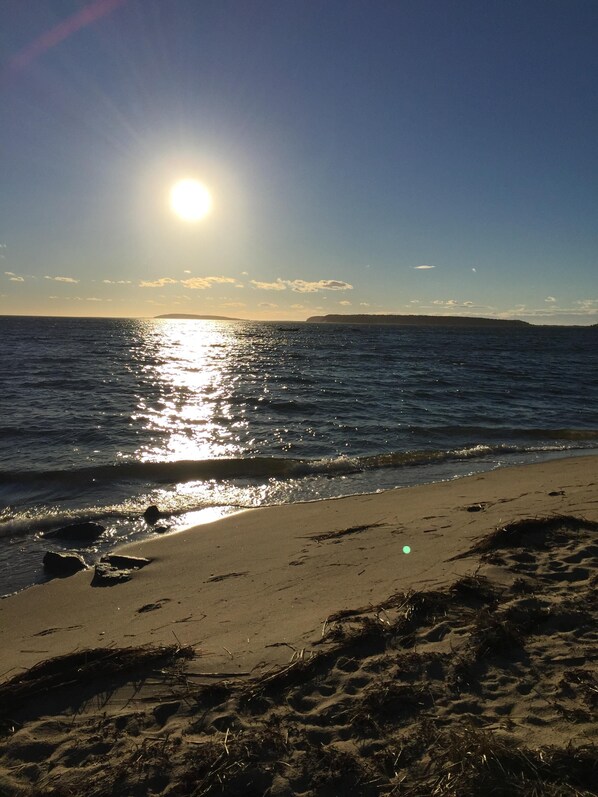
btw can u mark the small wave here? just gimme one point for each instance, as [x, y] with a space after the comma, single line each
[259, 467]
[23, 524]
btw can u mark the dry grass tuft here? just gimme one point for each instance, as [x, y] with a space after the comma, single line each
[495, 634]
[475, 590]
[238, 764]
[331, 771]
[470, 761]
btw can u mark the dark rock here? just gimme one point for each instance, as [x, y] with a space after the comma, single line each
[63, 564]
[106, 575]
[152, 514]
[88, 532]
[125, 562]
[161, 529]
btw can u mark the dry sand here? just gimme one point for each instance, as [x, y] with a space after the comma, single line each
[326, 661]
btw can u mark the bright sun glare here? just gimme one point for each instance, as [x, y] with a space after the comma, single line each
[190, 200]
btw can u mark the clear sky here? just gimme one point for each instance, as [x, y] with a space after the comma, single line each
[400, 156]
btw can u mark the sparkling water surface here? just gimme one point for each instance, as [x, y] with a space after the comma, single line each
[100, 417]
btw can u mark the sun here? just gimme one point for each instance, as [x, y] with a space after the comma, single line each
[190, 200]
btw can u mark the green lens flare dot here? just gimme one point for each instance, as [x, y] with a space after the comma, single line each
[406, 549]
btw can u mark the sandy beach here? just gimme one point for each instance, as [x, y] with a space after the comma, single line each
[428, 640]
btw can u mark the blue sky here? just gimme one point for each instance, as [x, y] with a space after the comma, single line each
[345, 144]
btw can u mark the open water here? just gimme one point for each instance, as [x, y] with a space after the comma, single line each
[101, 417]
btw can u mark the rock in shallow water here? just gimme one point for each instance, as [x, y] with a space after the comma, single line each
[88, 532]
[63, 564]
[152, 514]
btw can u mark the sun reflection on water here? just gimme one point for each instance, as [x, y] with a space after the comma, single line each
[189, 415]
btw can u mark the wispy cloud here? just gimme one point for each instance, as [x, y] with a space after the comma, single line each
[588, 305]
[580, 308]
[458, 306]
[550, 299]
[70, 280]
[194, 283]
[423, 268]
[203, 283]
[279, 285]
[452, 303]
[233, 304]
[303, 286]
[272, 306]
[116, 282]
[364, 304]
[345, 303]
[159, 283]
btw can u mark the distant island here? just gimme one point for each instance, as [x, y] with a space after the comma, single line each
[198, 317]
[416, 320]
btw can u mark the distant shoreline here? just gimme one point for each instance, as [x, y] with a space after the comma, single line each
[417, 320]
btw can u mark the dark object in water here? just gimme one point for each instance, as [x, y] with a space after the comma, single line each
[88, 532]
[152, 514]
[63, 564]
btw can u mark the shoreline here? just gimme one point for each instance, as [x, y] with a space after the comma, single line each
[213, 542]
[266, 589]
[125, 524]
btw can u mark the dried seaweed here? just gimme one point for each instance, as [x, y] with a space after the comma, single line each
[83, 667]
[529, 533]
[335, 535]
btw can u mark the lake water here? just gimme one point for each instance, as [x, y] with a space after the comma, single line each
[101, 417]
